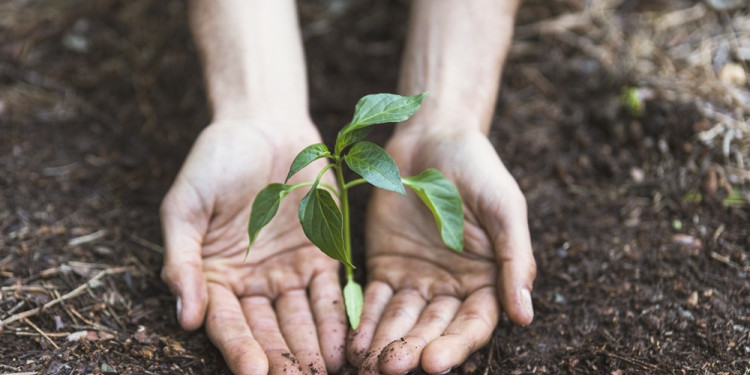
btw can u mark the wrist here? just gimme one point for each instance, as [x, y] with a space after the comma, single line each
[268, 118]
[258, 106]
[431, 122]
[436, 138]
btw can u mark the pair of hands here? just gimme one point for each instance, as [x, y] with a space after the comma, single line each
[281, 310]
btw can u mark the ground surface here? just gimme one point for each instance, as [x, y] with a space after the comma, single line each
[640, 223]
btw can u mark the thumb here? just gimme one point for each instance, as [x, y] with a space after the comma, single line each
[515, 258]
[183, 264]
[504, 216]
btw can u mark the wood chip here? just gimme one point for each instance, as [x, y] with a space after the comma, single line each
[693, 299]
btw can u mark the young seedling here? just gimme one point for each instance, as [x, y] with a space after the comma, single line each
[325, 224]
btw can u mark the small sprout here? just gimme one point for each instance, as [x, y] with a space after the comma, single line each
[677, 224]
[634, 100]
[325, 224]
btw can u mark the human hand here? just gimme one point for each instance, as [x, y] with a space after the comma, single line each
[426, 304]
[282, 302]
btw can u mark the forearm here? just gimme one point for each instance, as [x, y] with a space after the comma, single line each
[252, 57]
[455, 50]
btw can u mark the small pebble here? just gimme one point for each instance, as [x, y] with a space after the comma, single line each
[733, 74]
[637, 174]
[559, 298]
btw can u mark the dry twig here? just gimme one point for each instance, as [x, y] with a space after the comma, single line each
[632, 361]
[75, 292]
[34, 326]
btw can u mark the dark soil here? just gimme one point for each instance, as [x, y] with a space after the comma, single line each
[643, 263]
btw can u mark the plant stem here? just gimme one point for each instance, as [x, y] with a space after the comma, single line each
[354, 183]
[344, 198]
[330, 188]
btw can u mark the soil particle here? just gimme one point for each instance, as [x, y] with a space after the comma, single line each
[290, 357]
[389, 352]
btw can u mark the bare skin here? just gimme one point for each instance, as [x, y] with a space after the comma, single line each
[286, 298]
[284, 301]
[426, 305]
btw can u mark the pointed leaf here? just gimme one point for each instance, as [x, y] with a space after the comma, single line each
[442, 198]
[377, 109]
[384, 108]
[308, 155]
[349, 137]
[374, 164]
[322, 223]
[264, 208]
[353, 300]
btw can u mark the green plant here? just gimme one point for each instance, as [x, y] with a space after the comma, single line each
[327, 226]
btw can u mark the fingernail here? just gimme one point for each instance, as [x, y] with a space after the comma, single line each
[179, 308]
[446, 371]
[526, 302]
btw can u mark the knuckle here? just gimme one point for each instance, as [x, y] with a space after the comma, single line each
[532, 269]
[264, 326]
[297, 320]
[166, 208]
[332, 320]
[517, 200]
[434, 318]
[478, 318]
[224, 317]
[166, 274]
[397, 312]
[367, 320]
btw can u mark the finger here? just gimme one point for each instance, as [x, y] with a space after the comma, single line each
[330, 317]
[402, 356]
[516, 263]
[470, 330]
[262, 319]
[377, 295]
[399, 316]
[228, 330]
[298, 327]
[183, 265]
[505, 218]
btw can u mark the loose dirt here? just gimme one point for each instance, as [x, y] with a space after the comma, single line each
[638, 211]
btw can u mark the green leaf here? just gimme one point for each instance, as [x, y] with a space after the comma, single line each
[442, 198]
[374, 164]
[383, 108]
[265, 206]
[322, 223]
[346, 138]
[308, 155]
[377, 109]
[353, 300]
